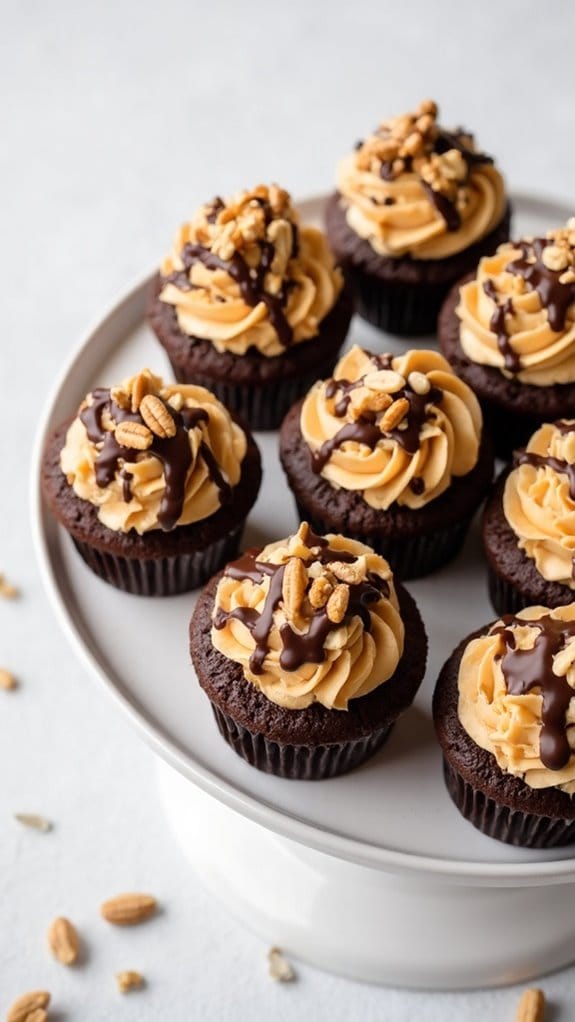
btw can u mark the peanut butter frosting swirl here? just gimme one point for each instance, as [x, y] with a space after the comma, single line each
[413, 188]
[539, 501]
[153, 456]
[398, 429]
[518, 312]
[310, 619]
[517, 695]
[243, 274]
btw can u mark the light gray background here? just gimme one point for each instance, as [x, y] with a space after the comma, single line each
[116, 120]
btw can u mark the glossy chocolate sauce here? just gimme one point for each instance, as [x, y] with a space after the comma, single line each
[555, 297]
[297, 648]
[528, 669]
[547, 461]
[498, 326]
[365, 430]
[174, 453]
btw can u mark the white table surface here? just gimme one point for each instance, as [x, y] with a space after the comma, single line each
[116, 120]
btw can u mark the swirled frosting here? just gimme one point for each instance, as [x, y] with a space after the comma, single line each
[153, 456]
[310, 619]
[398, 429]
[243, 274]
[413, 188]
[517, 695]
[518, 312]
[539, 501]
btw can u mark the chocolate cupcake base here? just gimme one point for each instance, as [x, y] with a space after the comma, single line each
[414, 541]
[513, 579]
[401, 295]
[314, 743]
[157, 563]
[257, 388]
[298, 762]
[512, 410]
[498, 804]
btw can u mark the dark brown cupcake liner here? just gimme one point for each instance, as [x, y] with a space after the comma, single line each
[408, 556]
[505, 598]
[298, 762]
[161, 576]
[396, 307]
[264, 406]
[513, 826]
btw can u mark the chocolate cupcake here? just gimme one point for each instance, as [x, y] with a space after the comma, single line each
[504, 710]
[391, 452]
[529, 524]
[301, 649]
[250, 304]
[416, 208]
[153, 482]
[509, 332]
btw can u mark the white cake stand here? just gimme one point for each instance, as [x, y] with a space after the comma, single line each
[374, 875]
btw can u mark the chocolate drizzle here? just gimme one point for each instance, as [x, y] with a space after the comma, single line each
[444, 206]
[498, 326]
[548, 461]
[365, 429]
[554, 296]
[174, 453]
[297, 647]
[527, 669]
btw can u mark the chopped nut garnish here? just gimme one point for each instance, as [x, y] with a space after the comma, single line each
[140, 388]
[350, 573]
[320, 592]
[34, 821]
[385, 380]
[555, 258]
[294, 585]
[133, 435]
[394, 414]
[7, 590]
[419, 383]
[129, 980]
[7, 679]
[128, 909]
[157, 417]
[28, 1005]
[64, 941]
[279, 967]
[121, 398]
[336, 607]
[531, 1007]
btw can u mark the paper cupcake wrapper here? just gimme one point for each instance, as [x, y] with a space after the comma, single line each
[527, 830]
[164, 576]
[408, 556]
[265, 406]
[298, 762]
[397, 308]
[505, 598]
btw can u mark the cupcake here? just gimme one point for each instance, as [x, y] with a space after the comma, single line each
[509, 331]
[250, 304]
[504, 710]
[302, 651]
[529, 524]
[390, 451]
[416, 207]
[153, 482]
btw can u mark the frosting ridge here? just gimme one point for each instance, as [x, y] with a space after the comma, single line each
[310, 619]
[151, 455]
[243, 274]
[414, 188]
[517, 695]
[397, 428]
[518, 313]
[539, 501]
